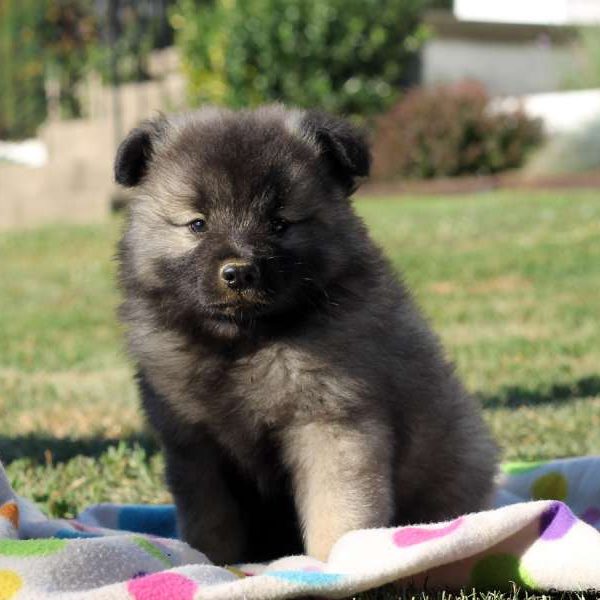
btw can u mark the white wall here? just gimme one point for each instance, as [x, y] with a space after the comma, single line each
[543, 12]
[504, 68]
[561, 112]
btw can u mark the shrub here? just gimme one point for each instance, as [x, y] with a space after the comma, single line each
[450, 130]
[61, 40]
[348, 56]
[69, 33]
[38, 37]
[22, 96]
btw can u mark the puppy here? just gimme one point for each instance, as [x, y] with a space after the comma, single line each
[296, 389]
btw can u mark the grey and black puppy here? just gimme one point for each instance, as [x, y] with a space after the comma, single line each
[297, 390]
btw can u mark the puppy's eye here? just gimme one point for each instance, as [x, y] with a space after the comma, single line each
[278, 226]
[197, 225]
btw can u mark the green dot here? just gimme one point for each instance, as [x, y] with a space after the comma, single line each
[519, 468]
[552, 486]
[31, 547]
[151, 549]
[499, 571]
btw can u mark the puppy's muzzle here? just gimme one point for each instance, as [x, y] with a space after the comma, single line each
[239, 275]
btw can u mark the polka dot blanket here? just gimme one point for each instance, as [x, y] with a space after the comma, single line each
[541, 535]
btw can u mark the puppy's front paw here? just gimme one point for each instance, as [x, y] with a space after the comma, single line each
[319, 546]
[223, 544]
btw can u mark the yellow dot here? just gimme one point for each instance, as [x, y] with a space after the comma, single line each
[237, 572]
[552, 486]
[10, 584]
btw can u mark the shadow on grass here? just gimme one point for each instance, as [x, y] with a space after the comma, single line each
[516, 396]
[42, 449]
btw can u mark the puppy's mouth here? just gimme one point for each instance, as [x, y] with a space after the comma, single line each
[240, 307]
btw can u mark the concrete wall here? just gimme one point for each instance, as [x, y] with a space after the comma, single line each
[510, 59]
[76, 184]
[555, 12]
[561, 112]
[503, 67]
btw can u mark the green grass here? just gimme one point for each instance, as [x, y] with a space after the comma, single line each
[509, 280]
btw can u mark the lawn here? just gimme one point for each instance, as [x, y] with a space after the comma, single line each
[509, 280]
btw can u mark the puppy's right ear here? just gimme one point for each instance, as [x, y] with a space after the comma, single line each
[135, 152]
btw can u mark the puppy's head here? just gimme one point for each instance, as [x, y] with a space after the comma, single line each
[238, 215]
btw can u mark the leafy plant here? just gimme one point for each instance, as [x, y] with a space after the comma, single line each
[350, 56]
[60, 40]
[22, 96]
[450, 130]
[69, 33]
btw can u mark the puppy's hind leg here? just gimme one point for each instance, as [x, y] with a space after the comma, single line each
[342, 480]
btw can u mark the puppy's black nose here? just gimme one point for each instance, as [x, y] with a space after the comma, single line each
[239, 275]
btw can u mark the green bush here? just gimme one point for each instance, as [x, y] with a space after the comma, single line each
[345, 56]
[40, 38]
[22, 97]
[69, 34]
[140, 29]
[60, 40]
[450, 130]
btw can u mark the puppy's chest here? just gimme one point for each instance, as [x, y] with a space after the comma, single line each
[269, 390]
[280, 385]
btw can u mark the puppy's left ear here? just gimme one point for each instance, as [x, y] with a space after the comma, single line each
[136, 150]
[343, 146]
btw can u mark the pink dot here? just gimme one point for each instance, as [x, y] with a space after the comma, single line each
[409, 536]
[162, 586]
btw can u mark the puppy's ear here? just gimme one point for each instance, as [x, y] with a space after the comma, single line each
[136, 150]
[343, 146]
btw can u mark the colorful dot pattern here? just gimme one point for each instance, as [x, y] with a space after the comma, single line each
[162, 586]
[26, 548]
[500, 572]
[70, 534]
[151, 520]
[10, 511]
[147, 567]
[153, 551]
[306, 578]
[591, 515]
[10, 584]
[521, 468]
[551, 486]
[556, 521]
[410, 536]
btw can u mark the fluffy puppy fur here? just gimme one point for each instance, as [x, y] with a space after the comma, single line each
[296, 389]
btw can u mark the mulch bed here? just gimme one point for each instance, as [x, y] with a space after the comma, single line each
[480, 183]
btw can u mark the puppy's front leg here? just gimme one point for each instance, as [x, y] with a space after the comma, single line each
[342, 480]
[208, 515]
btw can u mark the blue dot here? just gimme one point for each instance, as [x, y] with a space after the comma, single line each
[307, 577]
[67, 534]
[156, 520]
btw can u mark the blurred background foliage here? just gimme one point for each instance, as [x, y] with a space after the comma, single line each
[353, 57]
[58, 42]
[450, 130]
[345, 56]
[584, 71]
[22, 101]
